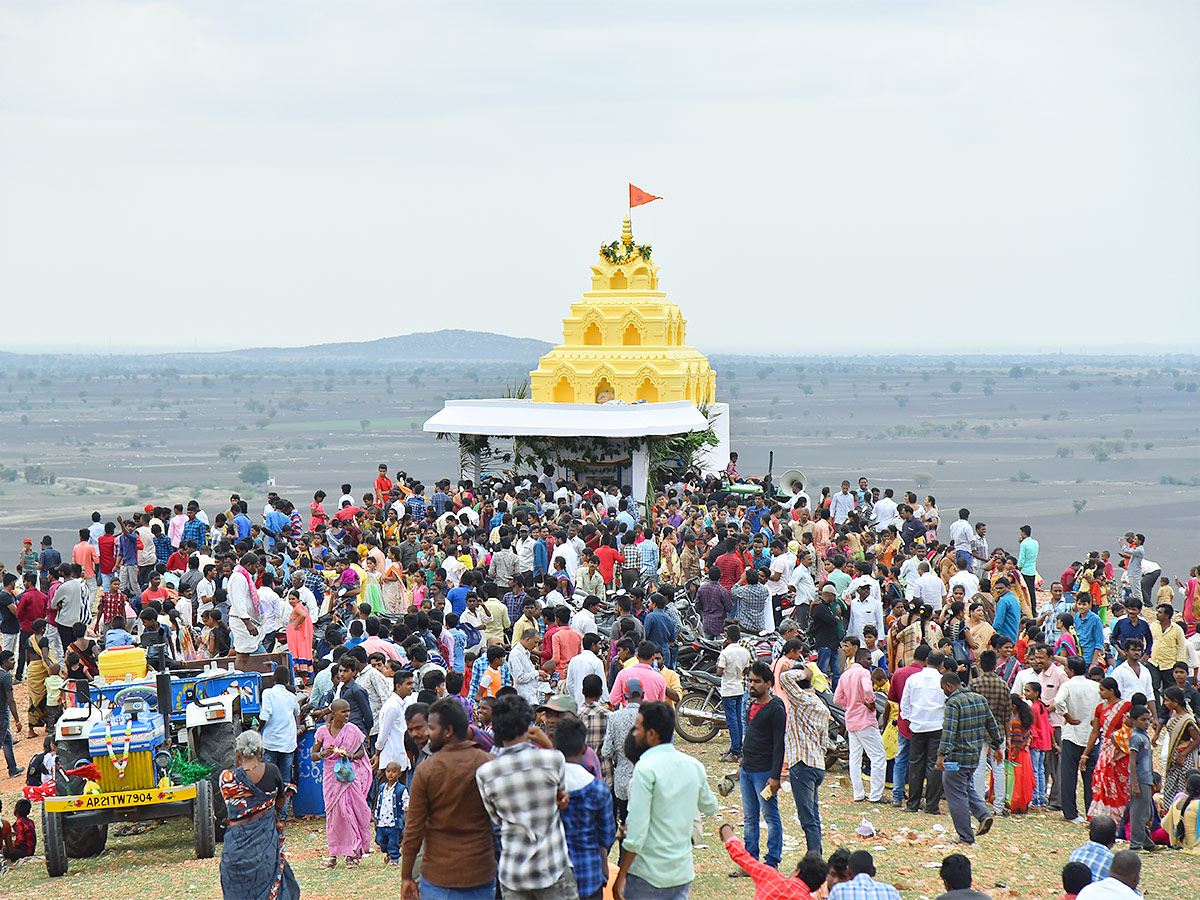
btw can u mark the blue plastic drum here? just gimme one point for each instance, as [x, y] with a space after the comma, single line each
[310, 795]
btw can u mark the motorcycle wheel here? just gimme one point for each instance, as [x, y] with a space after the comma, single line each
[696, 729]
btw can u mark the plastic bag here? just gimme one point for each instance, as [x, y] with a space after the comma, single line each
[343, 771]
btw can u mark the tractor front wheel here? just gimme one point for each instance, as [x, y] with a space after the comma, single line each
[56, 848]
[204, 832]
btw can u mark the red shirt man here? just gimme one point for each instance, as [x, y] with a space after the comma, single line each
[32, 605]
[383, 486]
[177, 562]
[107, 545]
[732, 568]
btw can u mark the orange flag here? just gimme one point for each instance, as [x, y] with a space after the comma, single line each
[637, 197]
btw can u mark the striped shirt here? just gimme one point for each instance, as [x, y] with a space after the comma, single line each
[807, 731]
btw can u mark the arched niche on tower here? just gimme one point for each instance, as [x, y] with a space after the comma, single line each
[564, 391]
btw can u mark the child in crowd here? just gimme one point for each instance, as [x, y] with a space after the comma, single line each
[54, 691]
[18, 839]
[1141, 780]
[1165, 593]
[117, 636]
[871, 642]
[390, 807]
[1020, 734]
[1041, 741]
[887, 715]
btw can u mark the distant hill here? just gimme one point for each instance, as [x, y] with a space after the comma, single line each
[450, 345]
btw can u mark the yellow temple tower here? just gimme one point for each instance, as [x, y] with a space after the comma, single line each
[624, 340]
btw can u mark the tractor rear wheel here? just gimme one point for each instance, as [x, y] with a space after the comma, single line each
[86, 840]
[214, 745]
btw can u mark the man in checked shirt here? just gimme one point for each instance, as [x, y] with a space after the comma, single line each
[523, 789]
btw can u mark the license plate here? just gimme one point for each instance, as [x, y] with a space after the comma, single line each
[86, 802]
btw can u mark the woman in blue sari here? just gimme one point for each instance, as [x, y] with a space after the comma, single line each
[253, 865]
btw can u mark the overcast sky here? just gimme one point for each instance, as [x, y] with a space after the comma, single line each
[874, 177]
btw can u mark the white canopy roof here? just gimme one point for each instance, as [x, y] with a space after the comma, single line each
[525, 418]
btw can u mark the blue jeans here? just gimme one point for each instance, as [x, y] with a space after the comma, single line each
[1038, 760]
[283, 761]
[433, 892]
[735, 718]
[827, 660]
[900, 769]
[388, 839]
[640, 889]
[6, 742]
[806, 784]
[752, 806]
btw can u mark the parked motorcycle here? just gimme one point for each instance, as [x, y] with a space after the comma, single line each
[699, 714]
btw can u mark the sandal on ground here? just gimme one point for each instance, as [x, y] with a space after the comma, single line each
[330, 863]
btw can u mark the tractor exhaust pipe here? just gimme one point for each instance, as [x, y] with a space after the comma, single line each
[162, 687]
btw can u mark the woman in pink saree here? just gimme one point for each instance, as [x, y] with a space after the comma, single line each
[347, 817]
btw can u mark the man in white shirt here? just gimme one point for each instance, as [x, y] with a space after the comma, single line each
[865, 610]
[273, 616]
[961, 535]
[777, 578]
[863, 576]
[979, 546]
[885, 511]
[798, 494]
[1134, 678]
[929, 589]
[524, 671]
[801, 582]
[964, 575]
[842, 503]
[566, 552]
[476, 613]
[243, 617]
[280, 724]
[1075, 702]
[392, 727]
[909, 576]
[583, 664]
[923, 706]
[1124, 875]
[454, 570]
[584, 619]
[524, 547]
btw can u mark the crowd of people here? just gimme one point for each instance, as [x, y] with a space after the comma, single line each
[491, 672]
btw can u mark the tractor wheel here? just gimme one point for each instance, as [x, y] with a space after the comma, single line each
[214, 745]
[86, 840]
[56, 849]
[204, 833]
